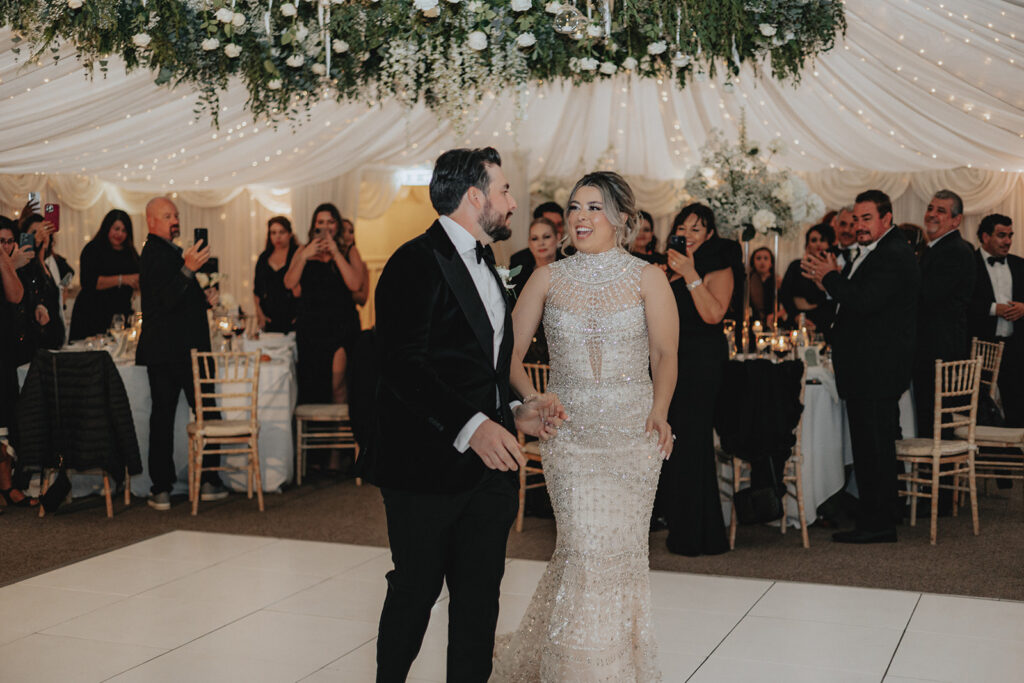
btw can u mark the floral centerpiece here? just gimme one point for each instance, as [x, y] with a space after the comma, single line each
[747, 196]
[448, 54]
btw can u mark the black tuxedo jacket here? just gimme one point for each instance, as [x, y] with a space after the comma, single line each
[173, 307]
[875, 325]
[947, 281]
[980, 323]
[435, 349]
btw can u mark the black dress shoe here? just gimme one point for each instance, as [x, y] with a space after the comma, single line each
[857, 536]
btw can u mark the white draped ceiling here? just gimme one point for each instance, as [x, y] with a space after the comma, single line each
[916, 89]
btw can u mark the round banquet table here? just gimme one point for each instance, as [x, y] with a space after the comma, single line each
[276, 404]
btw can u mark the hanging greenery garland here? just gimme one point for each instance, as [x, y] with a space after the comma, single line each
[444, 53]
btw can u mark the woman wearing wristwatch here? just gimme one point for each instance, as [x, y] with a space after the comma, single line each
[701, 280]
[109, 274]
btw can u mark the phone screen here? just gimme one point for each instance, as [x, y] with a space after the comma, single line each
[33, 200]
[26, 241]
[201, 235]
[51, 212]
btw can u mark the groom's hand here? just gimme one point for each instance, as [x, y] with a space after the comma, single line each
[497, 447]
[540, 416]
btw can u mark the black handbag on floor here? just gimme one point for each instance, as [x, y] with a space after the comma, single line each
[761, 503]
[61, 486]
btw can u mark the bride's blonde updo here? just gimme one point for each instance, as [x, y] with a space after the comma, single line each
[618, 199]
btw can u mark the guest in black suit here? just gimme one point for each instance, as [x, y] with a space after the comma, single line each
[873, 350]
[947, 280]
[173, 323]
[445, 452]
[997, 305]
[799, 295]
[554, 213]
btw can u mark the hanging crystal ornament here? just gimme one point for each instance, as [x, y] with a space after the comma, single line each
[568, 20]
[606, 14]
[266, 16]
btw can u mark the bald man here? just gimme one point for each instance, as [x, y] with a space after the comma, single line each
[173, 323]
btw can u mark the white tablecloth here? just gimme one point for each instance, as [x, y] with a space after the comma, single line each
[825, 444]
[277, 397]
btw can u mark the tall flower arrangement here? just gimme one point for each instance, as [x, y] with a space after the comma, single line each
[747, 196]
[447, 54]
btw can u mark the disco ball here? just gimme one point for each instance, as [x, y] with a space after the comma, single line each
[569, 20]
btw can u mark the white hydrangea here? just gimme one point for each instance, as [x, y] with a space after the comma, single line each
[477, 40]
[679, 60]
[424, 5]
[210, 44]
[301, 32]
[475, 6]
[75, 4]
[526, 39]
[274, 84]
[340, 46]
[553, 7]
[295, 61]
[238, 20]
[232, 50]
[224, 15]
[629, 64]
[657, 48]
[432, 13]
[288, 9]
[767, 30]
[595, 30]
[608, 68]
[521, 5]
[764, 220]
[141, 40]
[589, 64]
[319, 69]
[785, 192]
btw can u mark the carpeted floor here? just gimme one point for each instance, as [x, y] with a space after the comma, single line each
[989, 565]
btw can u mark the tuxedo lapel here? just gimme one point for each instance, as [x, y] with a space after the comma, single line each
[461, 283]
[985, 280]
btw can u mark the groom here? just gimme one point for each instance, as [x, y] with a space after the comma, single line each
[445, 453]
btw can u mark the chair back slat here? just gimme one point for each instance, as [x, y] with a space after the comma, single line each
[230, 375]
[538, 373]
[991, 354]
[954, 382]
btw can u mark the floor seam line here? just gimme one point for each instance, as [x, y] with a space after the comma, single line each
[726, 636]
[902, 635]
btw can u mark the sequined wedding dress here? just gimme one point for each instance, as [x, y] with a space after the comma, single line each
[589, 619]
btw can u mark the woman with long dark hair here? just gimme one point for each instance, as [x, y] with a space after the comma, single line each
[109, 268]
[327, 321]
[645, 244]
[43, 305]
[276, 305]
[798, 294]
[702, 282]
[764, 286]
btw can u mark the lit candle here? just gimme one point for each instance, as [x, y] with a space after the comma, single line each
[757, 327]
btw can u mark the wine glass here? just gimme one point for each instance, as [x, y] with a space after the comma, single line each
[225, 329]
[762, 343]
[781, 348]
[117, 322]
[238, 323]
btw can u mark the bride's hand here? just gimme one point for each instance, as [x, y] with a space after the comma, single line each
[540, 416]
[658, 424]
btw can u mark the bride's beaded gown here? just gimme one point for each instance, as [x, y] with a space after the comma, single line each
[589, 619]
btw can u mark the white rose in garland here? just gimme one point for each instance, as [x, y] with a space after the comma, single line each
[224, 15]
[232, 50]
[319, 69]
[340, 46]
[75, 4]
[521, 5]
[608, 68]
[595, 31]
[274, 84]
[764, 220]
[432, 13]
[210, 44]
[657, 48]
[679, 60]
[295, 61]
[238, 20]
[553, 7]
[589, 64]
[301, 32]
[477, 40]
[424, 5]
[526, 39]
[141, 40]
[767, 30]
[288, 9]
[629, 64]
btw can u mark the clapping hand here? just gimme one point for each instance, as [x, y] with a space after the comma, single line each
[816, 266]
[656, 424]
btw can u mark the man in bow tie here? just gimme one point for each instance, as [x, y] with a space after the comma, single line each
[997, 303]
[947, 280]
[444, 449]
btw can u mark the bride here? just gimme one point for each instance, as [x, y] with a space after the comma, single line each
[606, 314]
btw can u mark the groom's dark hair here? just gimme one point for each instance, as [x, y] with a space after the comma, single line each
[456, 171]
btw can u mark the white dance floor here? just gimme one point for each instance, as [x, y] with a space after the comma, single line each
[190, 606]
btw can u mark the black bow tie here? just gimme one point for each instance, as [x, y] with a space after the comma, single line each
[484, 254]
[992, 260]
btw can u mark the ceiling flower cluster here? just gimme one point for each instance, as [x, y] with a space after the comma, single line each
[444, 53]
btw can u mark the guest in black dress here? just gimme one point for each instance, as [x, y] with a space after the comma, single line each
[276, 306]
[645, 244]
[702, 283]
[764, 283]
[109, 268]
[42, 325]
[543, 246]
[798, 294]
[327, 322]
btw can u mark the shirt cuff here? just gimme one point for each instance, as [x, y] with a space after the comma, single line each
[187, 272]
[992, 308]
[467, 432]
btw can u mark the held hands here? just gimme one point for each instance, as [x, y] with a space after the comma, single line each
[497, 447]
[659, 425]
[195, 257]
[540, 416]
[1012, 311]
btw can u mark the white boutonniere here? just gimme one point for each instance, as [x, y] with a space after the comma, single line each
[206, 281]
[506, 276]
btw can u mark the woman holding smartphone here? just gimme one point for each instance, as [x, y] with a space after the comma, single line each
[43, 279]
[327, 321]
[109, 269]
[700, 276]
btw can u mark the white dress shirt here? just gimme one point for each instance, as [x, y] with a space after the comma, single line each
[1002, 287]
[494, 303]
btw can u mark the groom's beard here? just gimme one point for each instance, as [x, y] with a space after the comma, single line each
[494, 224]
